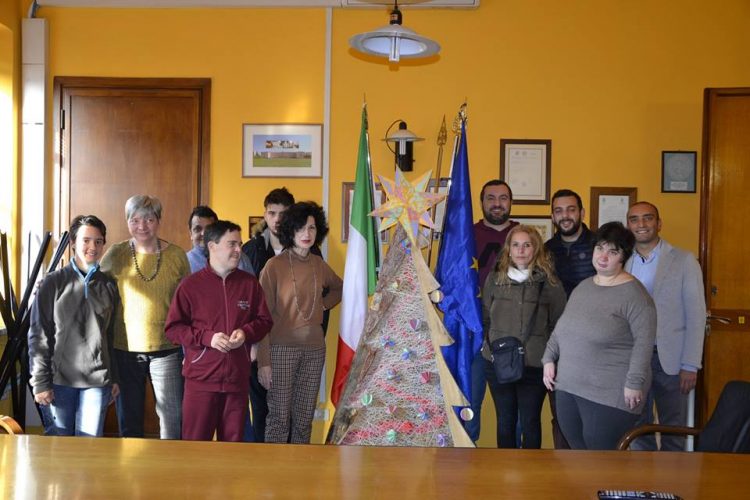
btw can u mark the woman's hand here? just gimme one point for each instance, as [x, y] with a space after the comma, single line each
[45, 398]
[115, 392]
[549, 376]
[264, 376]
[633, 398]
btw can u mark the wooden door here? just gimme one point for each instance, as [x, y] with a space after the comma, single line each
[725, 240]
[121, 137]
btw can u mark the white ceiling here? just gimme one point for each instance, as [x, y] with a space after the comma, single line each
[160, 4]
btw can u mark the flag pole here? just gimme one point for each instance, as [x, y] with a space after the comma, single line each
[441, 140]
[373, 192]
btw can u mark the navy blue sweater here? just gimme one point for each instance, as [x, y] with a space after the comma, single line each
[573, 263]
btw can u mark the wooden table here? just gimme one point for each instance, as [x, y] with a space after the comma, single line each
[85, 468]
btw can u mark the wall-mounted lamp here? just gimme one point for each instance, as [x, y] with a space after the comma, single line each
[405, 149]
[394, 41]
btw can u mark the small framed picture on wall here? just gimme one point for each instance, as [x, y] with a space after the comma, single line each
[678, 172]
[543, 224]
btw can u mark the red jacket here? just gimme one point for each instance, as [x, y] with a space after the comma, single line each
[205, 304]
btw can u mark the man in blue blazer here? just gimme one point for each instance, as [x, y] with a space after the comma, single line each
[675, 282]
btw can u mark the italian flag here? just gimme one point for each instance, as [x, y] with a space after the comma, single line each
[359, 271]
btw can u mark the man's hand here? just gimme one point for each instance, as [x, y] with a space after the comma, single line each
[687, 381]
[45, 398]
[264, 376]
[220, 342]
[115, 392]
[237, 339]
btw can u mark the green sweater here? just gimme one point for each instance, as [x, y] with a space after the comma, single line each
[139, 322]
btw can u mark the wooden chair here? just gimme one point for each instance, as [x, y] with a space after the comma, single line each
[9, 426]
[727, 431]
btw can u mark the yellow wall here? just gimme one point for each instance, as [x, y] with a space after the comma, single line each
[611, 83]
[10, 69]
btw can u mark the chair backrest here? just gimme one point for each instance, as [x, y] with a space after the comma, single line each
[728, 429]
[9, 425]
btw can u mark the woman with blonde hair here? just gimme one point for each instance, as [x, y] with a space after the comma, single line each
[521, 300]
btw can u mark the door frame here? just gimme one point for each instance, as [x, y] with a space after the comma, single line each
[59, 152]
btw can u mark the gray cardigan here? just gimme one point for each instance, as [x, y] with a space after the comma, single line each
[681, 308]
[71, 335]
[603, 343]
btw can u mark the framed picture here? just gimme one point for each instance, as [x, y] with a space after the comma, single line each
[252, 220]
[611, 204]
[526, 165]
[347, 194]
[678, 171]
[541, 223]
[290, 150]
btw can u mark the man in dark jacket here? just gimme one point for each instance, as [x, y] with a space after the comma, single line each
[216, 314]
[572, 248]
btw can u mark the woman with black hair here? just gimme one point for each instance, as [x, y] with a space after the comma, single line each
[291, 357]
[598, 360]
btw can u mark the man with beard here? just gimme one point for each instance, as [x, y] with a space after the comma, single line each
[673, 278]
[490, 233]
[572, 248]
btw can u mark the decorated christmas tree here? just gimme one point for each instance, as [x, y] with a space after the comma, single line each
[399, 391]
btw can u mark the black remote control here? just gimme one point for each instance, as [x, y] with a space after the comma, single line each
[634, 495]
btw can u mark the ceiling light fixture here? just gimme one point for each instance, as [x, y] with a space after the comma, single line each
[394, 41]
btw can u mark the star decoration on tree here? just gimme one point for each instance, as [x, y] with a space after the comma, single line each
[408, 204]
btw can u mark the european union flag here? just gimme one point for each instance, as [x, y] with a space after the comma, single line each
[457, 273]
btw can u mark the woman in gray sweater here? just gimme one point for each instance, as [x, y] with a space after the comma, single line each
[522, 279]
[70, 337]
[598, 358]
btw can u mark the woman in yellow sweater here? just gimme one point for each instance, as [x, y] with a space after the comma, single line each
[291, 357]
[147, 271]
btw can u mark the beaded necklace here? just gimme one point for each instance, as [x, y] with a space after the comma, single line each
[138, 268]
[296, 297]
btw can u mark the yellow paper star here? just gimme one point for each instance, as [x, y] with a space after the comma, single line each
[407, 204]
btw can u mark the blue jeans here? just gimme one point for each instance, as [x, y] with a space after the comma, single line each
[79, 412]
[164, 370]
[478, 388]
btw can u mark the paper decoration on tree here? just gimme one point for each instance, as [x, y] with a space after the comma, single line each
[399, 391]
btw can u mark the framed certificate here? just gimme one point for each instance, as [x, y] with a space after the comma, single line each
[611, 204]
[526, 165]
[678, 171]
[542, 224]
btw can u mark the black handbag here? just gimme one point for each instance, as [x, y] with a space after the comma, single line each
[508, 353]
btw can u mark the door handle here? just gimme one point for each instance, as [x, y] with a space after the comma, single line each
[721, 319]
